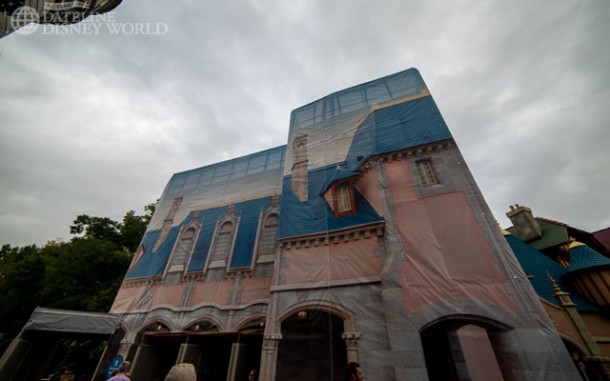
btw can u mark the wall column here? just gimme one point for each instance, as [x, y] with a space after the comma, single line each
[269, 357]
[125, 347]
[351, 344]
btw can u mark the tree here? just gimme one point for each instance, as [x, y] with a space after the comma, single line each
[81, 274]
[126, 234]
[96, 227]
[21, 283]
[133, 227]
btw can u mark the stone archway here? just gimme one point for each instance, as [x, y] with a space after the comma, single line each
[155, 350]
[312, 346]
[459, 347]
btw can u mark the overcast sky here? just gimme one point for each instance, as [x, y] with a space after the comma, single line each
[96, 121]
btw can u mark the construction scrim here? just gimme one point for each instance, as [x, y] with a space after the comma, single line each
[364, 239]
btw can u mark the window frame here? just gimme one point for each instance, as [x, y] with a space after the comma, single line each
[426, 172]
[339, 192]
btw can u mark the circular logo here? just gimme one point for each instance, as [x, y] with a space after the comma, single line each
[24, 19]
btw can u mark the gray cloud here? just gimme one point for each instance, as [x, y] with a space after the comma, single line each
[98, 123]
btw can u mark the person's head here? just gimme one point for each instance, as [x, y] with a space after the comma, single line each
[182, 372]
[253, 375]
[354, 372]
[124, 367]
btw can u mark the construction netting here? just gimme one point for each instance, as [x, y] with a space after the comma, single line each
[386, 251]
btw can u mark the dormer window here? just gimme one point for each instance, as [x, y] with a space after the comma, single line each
[426, 172]
[340, 198]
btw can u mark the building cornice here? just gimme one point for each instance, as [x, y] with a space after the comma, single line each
[407, 153]
[326, 238]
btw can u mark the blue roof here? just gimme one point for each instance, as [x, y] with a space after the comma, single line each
[315, 215]
[397, 127]
[539, 266]
[340, 174]
[153, 263]
[583, 257]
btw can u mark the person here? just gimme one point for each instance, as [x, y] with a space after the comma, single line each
[182, 372]
[122, 374]
[253, 375]
[353, 372]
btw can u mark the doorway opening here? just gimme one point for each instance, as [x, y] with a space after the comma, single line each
[460, 348]
[311, 347]
[217, 356]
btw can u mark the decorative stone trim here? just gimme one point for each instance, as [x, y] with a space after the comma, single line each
[271, 342]
[239, 273]
[350, 337]
[141, 282]
[409, 153]
[193, 277]
[333, 237]
[351, 345]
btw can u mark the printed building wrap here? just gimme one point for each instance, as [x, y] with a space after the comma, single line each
[364, 239]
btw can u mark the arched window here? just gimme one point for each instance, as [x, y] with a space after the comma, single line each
[266, 243]
[184, 247]
[223, 242]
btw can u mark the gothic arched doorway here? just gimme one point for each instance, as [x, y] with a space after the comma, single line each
[311, 347]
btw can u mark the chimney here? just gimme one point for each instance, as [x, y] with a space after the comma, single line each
[167, 223]
[524, 222]
[299, 168]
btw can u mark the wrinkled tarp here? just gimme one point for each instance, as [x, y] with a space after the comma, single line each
[52, 320]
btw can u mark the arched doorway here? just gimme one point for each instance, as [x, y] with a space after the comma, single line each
[311, 347]
[216, 354]
[459, 348]
[246, 348]
[155, 349]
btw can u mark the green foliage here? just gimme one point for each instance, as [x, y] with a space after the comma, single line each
[96, 227]
[20, 285]
[126, 234]
[81, 274]
[131, 230]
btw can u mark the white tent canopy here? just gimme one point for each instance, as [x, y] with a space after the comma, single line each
[52, 320]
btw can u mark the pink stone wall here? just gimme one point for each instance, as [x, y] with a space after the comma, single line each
[255, 289]
[448, 256]
[210, 292]
[344, 260]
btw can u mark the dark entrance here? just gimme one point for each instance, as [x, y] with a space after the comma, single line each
[216, 356]
[311, 347]
[461, 347]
